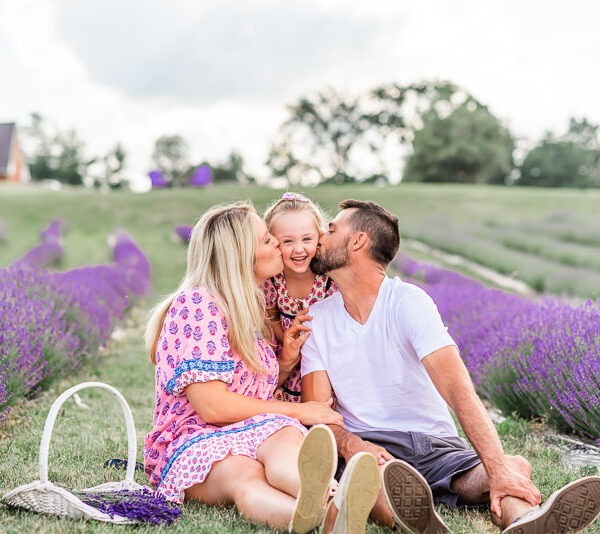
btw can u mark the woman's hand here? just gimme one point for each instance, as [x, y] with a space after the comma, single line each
[314, 412]
[293, 339]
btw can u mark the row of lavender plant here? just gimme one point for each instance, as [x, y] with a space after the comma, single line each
[51, 323]
[538, 358]
[50, 250]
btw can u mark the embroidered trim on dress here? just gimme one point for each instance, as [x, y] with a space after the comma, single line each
[199, 365]
[215, 434]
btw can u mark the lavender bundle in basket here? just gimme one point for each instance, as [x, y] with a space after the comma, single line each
[142, 506]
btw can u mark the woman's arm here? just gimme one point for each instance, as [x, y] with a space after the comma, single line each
[218, 406]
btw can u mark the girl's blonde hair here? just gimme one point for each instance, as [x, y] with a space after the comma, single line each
[220, 258]
[294, 202]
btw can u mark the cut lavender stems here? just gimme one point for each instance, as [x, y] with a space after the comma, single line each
[142, 506]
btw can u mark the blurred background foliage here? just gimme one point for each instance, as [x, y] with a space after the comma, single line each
[433, 131]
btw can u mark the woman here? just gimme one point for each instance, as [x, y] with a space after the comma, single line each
[218, 436]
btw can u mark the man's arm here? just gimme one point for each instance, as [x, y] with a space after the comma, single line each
[316, 386]
[451, 378]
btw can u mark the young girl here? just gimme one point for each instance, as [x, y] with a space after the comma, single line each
[296, 222]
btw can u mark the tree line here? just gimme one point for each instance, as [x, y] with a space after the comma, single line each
[433, 131]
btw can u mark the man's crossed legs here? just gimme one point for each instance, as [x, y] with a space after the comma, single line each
[445, 470]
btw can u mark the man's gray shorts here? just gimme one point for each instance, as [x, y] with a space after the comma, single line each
[439, 459]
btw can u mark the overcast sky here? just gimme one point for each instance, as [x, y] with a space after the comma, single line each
[221, 72]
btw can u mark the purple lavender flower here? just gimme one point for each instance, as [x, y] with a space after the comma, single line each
[534, 357]
[183, 232]
[49, 251]
[142, 506]
[51, 323]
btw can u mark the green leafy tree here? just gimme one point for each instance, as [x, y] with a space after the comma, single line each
[232, 170]
[111, 166]
[469, 145]
[331, 137]
[317, 138]
[571, 160]
[55, 155]
[170, 155]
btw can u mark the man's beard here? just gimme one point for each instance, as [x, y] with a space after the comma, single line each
[331, 260]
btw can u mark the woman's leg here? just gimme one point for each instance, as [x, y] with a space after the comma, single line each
[241, 480]
[279, 454]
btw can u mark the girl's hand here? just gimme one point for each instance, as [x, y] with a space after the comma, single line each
[314, 412]
[293, 339]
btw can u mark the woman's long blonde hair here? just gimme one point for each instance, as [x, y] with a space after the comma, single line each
[220, 258]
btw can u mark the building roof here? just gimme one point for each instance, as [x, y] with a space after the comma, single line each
[6, 134]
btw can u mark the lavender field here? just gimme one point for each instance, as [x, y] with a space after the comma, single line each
[64, 289]
[52, 322]
[538, 358]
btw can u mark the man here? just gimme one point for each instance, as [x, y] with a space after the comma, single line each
[381, 348]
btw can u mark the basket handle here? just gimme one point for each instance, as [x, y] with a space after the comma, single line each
[51, 418]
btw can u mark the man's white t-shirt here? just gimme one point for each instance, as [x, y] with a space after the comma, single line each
[375, 369]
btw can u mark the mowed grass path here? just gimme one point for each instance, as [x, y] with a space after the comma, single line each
[83, 439]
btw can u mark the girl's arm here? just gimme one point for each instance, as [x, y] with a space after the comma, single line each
[218, 406]
[293, 339]
[275, 320]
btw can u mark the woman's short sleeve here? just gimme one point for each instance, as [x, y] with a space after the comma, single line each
[194, 346]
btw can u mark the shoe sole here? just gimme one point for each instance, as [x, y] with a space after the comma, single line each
[410, 499]
[317, 461]
[359, 489]
[570, 509]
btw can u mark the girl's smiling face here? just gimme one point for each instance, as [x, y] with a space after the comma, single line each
[298, 237]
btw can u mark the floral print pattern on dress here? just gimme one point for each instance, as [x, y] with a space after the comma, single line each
[193, 347]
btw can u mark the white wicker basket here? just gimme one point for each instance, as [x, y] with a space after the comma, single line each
[45, 497]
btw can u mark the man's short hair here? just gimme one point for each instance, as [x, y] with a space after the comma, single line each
[379, 224]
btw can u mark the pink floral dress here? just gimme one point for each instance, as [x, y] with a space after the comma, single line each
[193, 347]
[276, 295]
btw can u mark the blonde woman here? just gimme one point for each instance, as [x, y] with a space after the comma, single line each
[218, 436]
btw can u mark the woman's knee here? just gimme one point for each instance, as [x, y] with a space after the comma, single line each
[285, 443]
[244, 482]
[286, 435]
[225, 480]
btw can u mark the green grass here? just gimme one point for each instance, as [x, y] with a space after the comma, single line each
[473, 221]
[83, 439]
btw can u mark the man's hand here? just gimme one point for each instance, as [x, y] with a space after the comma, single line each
[512, 479]
[349, 444]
